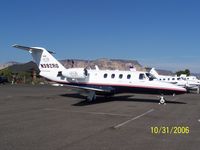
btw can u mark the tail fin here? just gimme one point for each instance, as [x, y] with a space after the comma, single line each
[43, 58]
[154, 72]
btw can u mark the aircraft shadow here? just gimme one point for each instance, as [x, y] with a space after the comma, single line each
[128, 98]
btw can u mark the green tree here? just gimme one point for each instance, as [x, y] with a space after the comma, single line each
[6, 73]
[186, 71]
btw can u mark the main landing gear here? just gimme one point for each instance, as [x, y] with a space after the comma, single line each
[162, 100]
[91, 96]
[198, 89]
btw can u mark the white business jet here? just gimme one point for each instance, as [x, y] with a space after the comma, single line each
[182, 81]
[99, 82]
[192, 79]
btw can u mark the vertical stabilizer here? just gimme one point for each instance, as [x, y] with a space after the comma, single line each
[154, 72]
[43, 58]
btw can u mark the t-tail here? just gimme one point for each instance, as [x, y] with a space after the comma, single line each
[154, 72]
[46, 63]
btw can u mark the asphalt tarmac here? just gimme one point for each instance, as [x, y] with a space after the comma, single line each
[57, 118]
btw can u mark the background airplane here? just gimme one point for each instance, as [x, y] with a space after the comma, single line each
[192, 79]
[190, 82]
[99, 82]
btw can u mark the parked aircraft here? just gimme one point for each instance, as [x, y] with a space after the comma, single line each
[190, 83]
[192, 79]
[189, 78]
[99, 82]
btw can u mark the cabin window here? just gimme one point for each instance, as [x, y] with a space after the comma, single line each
[163, 78]
[168, 78]
[178, 78]
[121, 76]
[173, 78]
[112, 76]
[105, 75]
[141, 76]
[128, 76]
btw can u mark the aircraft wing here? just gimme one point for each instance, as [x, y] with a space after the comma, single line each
[174, 82]
[93, 88]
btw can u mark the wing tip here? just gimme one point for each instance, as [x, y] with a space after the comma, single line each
[15, 45]
[30, 48]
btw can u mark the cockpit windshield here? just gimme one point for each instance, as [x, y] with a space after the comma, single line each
[150, 76]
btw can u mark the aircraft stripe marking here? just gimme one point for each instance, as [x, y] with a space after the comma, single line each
[132, 119]
[122, 85]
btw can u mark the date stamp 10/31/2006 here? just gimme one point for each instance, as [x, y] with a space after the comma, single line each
[171, 130]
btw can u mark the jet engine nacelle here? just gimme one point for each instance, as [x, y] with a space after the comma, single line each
[75, 73]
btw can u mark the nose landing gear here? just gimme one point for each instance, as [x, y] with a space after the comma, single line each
[162, 100]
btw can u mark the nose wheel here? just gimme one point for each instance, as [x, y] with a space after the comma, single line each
[162, 100]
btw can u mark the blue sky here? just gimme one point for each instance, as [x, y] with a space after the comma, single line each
[159, 33]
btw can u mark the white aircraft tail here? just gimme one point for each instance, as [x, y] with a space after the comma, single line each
[154, 72]
[43, 58]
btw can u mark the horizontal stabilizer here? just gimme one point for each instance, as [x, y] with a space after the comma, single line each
[30, 48]
[44, 59]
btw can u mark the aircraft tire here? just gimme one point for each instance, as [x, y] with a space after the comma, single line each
[162, 100]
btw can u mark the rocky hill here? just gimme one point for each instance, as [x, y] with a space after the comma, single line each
[25, 67]
[162, 72]
[5, 65]
[112, 64]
